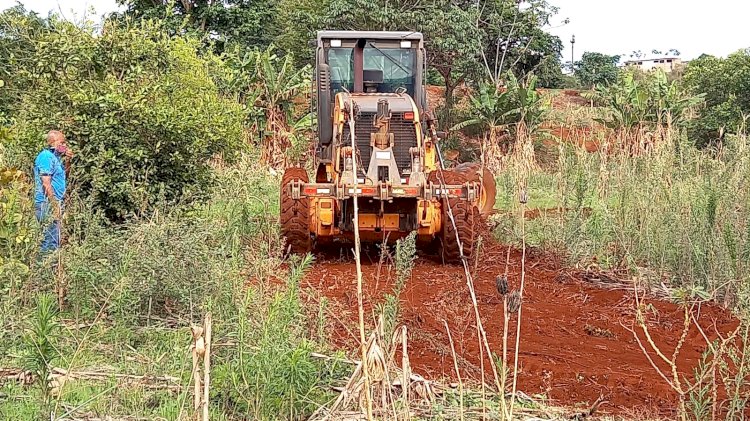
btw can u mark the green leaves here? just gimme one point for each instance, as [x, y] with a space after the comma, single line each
[596, 69]
[505, 106]
[40, 341]
[141, 110]
[648, 100]
[725, 84]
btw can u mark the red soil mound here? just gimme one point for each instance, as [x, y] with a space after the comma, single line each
[573, 346]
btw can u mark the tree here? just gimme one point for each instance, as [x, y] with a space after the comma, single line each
[514, 37]
[250, 23]
[499, 33]
[596, 69]
[726, 85]
[141, 109]
[17, 28]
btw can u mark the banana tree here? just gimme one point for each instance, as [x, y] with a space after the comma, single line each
[266, 84]
[279, 82]
[640, 106]
[504, 112]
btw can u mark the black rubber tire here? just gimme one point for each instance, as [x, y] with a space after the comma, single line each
[465, 215]
[294, 215]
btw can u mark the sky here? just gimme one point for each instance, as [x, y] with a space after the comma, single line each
[612, 27]
[71, 9]
[718, 27]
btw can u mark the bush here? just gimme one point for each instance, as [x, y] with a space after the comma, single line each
[167, 266]
[726, 84]
[270, 374]
[179, 261]
[139, 107]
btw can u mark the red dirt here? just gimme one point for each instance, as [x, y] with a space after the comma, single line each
[586, 137]
[573, 346]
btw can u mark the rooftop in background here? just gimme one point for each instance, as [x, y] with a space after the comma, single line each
[668, 64]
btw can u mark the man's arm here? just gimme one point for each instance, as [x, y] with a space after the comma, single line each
[50, 193]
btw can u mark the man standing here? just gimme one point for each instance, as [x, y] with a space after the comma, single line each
[50, 184]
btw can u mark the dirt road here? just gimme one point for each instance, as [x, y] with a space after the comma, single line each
[573, 343]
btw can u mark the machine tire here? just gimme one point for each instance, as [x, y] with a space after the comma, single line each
[465, 215]
[475, 172]
[294, 215]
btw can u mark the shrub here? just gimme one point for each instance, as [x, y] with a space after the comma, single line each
[726, 84]
[139, 107]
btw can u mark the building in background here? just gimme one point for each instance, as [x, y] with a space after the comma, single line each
[668, 64]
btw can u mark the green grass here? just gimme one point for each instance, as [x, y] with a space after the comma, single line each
[676, 211]
[135, 289]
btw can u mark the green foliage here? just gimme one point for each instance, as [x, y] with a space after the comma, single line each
[18, 240]
[513, 38]
[250, 24]
[17, 228]
[165, 266]
[18, 29]
[270, 373]
[267, 85]
[140, 109]
[279, 81]
[178, 261]
[726, 85]
[39, 340]
[649, 100]
[506, 106]
[617, 208]
[596, 69]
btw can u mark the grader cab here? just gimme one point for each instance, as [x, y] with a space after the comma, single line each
[377, 140]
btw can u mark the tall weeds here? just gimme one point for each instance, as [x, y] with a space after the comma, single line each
[406, 253]
[676, 214]
[40, 341]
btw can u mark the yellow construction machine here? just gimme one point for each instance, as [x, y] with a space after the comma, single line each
[370, 93]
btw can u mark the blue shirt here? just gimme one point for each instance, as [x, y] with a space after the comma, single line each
[47, 163]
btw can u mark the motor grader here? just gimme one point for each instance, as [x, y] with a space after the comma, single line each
[370, 92]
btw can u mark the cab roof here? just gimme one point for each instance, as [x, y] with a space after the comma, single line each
[384, 35]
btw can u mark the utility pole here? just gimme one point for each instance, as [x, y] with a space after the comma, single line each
[572, 53]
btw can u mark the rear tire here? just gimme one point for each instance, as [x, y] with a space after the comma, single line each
[294, 214]
[465, 215]
[474, 172]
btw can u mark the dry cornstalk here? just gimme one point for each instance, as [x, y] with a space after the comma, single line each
[198, 349]
[59, 377]
[523, 199]
[206, 365]
[458, 374]
[16, 375]
[682, 390]
[360, 307]
[470, 285]
[105, 375]
[506, 319]
[405, 372]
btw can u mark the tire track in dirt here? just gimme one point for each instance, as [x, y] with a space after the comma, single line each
[573, 346]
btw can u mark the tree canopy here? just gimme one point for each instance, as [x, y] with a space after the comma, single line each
[596, 69]
[250, 23]
[726, 85]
